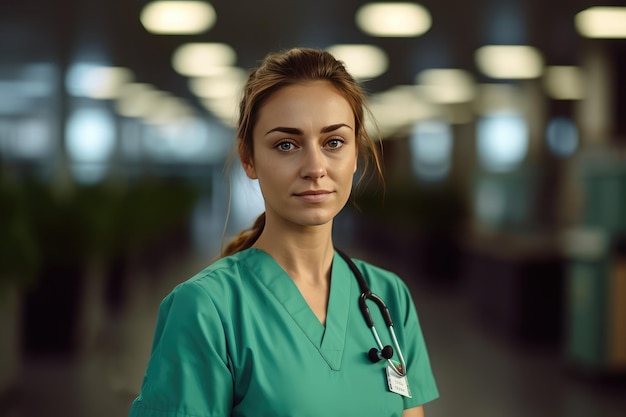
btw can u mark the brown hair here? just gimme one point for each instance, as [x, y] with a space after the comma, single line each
[279, 70]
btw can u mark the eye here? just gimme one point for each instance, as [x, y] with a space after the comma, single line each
[335, 143]
[285, 146]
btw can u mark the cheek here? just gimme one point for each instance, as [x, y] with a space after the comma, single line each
[272, 176]
[347, 172]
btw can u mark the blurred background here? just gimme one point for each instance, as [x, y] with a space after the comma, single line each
[504, 129]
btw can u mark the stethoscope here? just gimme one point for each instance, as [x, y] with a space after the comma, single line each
[382, 352]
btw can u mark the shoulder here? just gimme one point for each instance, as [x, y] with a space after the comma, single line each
[217, 282]
[375, 272]
[393, 290]
[381, 280]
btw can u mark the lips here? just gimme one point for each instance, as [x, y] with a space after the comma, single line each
[312, 192]
[313, 196]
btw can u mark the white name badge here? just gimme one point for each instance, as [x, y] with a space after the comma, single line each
[397, 383]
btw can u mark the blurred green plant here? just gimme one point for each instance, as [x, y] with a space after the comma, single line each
[149, 211]
[18, 248]
[418, 207]
[39, 228]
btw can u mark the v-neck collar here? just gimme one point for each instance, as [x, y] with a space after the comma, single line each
[329, 340]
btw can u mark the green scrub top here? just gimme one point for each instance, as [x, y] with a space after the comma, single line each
[238, 339]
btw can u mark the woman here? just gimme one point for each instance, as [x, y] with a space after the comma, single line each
[274, 328]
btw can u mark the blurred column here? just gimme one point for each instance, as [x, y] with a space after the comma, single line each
[595, 113]
[66, 32]
[535, 109]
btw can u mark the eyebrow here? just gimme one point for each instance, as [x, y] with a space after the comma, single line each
[296, 131]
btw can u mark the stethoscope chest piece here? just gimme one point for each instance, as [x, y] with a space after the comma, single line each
[376, 355]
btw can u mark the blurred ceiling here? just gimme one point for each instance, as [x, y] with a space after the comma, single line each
[110, 30]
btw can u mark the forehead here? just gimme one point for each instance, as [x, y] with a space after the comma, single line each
[308, 101]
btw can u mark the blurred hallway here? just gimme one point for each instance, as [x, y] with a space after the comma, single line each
[504, 134]
[479, 373]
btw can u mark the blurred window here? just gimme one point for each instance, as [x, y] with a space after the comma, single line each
[90, 143]
[190, 140]
[27, 109]
[431, 149]
[246, 200]
[490, 203]
[562, 136]
[502, 140]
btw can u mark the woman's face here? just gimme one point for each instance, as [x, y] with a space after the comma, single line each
[304, 153]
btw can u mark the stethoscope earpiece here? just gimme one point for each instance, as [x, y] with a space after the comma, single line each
[376, 355]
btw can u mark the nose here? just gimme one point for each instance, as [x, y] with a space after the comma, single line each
[313, 164]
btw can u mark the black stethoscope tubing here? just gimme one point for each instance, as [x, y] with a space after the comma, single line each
[367, 294]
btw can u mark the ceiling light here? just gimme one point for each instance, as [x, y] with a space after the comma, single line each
[602, 22]
[96, 81]
[502, 141]
[178, 17]
[108, 81]
[225, 108]
[90, 135]
[203, 59]
[497, 98]
[168, 109]
[227, 84]
[393, 19]
[509, 61]
[361, 61]
[399, 108]
[137, 99]
[564, 82]
[447, 85]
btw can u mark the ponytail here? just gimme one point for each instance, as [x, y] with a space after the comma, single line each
[246, 238]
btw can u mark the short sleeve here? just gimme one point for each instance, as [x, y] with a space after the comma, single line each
[419, 373]
[188, 373]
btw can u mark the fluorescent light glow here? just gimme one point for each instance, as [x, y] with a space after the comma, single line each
[178, 17]
[168, 110]
[399, 108]
[361, 61]
[226, 109]
[431, 149]
[602, 22]
[90, 135]
[502, 140]
[564, 82]
[137, 100]
[509, 61]
[185, 140]
[227, 84]
[111, 81]
[495, 98]
[203, 59]
[221, 93]
[188, 140]
[447, 85]
[393, 19]
[97, 81]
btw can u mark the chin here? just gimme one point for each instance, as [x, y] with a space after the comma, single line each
[315, 220]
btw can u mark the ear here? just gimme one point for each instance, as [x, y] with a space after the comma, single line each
[248, 167]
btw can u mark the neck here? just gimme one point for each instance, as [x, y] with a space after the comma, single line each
[306, 254]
